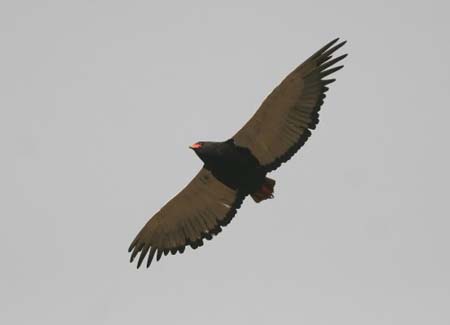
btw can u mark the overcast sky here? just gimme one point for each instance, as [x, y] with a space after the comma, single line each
[99, 101]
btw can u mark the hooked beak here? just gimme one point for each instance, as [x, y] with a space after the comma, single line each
[195, 146]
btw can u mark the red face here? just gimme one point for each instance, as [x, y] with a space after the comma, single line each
[196, 145]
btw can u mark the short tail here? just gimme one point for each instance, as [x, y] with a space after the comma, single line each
[265, 192]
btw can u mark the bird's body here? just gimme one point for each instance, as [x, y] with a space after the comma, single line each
[234, 166]
[238, 167]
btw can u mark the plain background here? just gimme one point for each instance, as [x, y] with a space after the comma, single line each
[99, 101]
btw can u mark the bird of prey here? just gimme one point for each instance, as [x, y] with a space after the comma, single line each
[238, 167]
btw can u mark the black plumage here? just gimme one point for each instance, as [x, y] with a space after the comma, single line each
[238, 167]
[234, 166]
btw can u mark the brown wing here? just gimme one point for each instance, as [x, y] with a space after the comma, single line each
[281, 125]
[197, 212]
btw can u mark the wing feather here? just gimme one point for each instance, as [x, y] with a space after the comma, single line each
[282, 124]
[198, 212]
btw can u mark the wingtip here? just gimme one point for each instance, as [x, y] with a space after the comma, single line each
[328, 81]
[334, 41]
[133, 243]
[142, 257]
[159, 255]
[336, 47]
[330, 71]
[150, 256]
[325, 48]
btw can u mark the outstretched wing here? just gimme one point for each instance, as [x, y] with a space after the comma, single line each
[282, 124]
[197, 212]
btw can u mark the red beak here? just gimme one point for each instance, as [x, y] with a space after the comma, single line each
[195, 146]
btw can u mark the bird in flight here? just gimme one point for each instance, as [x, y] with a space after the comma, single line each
[236, 168]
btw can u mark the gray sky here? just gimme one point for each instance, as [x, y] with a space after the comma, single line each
[99, 100]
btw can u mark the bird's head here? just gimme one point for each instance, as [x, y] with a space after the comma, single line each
[203, 149]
